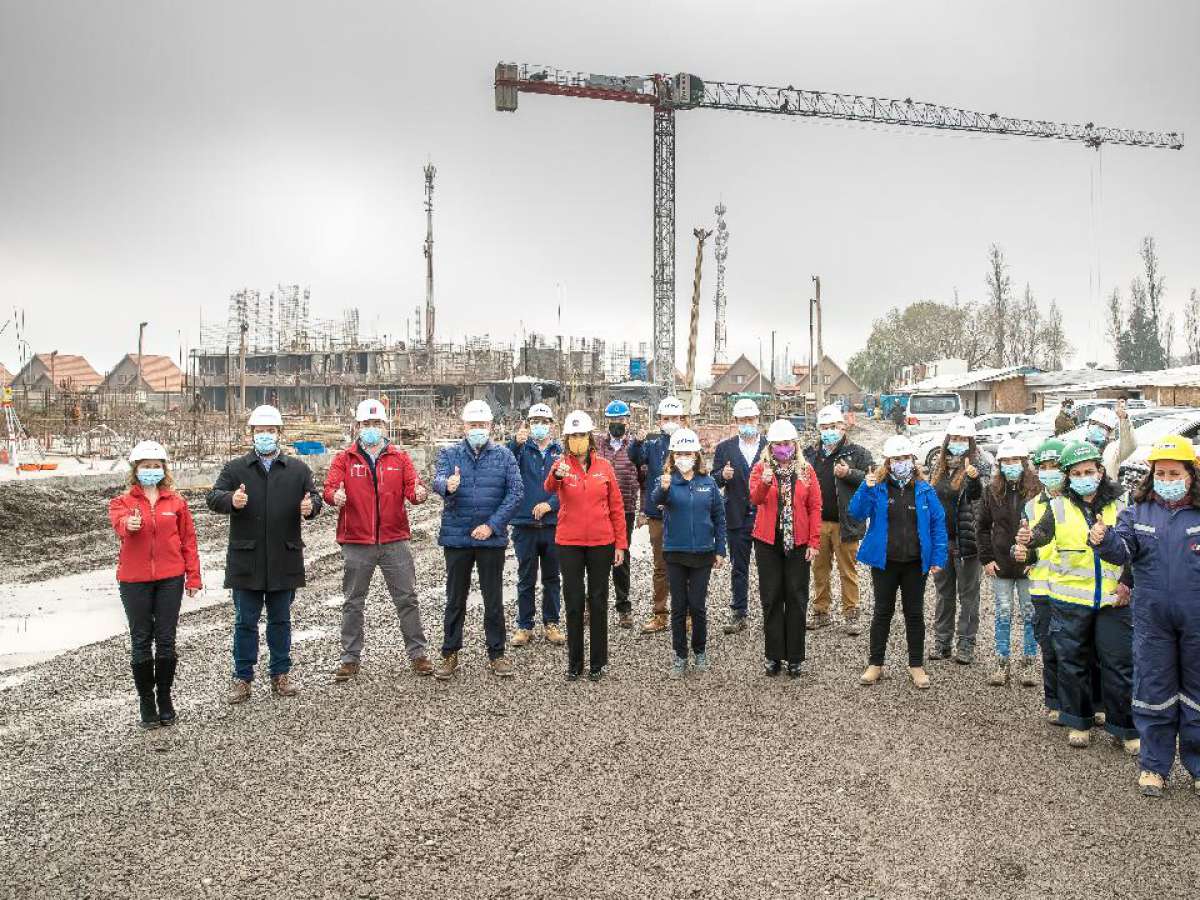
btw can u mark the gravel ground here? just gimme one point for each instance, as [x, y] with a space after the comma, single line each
[724, 784]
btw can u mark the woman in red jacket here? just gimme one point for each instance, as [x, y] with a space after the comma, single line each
[157, 563]
[590, 537]
[787, 536]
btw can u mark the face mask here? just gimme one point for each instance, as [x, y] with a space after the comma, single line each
[577, 444]
[1085, 486]
[151, 477]
[684, 464]
[830, 436]
[958, 448]
[1012, 471]
[371, 436]
[783, 452]
[540, 432]
[1098, 435]
[616, 429]
[1051, 478]
[265, 443]
[670, 427]
[477, 437]
[748, 431]
[1171, 491]
[902, 470]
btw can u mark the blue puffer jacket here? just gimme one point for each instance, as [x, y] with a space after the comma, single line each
[535, 466]
[693, 515]
[870, 504]
[651, 453]
[489, 493]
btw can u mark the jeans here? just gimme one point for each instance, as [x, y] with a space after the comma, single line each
[247, 609]
[620, 574]
[395, 561]
[535, 549]
[1009, 591]
[846, 553]
[739, 568]
[958, 585]
[689, 591]
[1079, 632]
[152, 608]
[459, 563]
[783, 583]
[909, 579]
[595, 563]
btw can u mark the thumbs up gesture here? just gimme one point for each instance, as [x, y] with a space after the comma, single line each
[768, 474]
[1024, 535]
[522, 435]
[841, 469]
[562, 470]
[972, 472]
[665, 482]
[240, 498]
[339, 496]
[1097, 533]
[727, 472]
[453, 481]
[133, 522]
[306, 506]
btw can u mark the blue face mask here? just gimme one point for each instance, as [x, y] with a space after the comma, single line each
[540, 431]
[1051, 478]
[371, 436]
[902, 470]
[830, 436]
[1098, 435]
[1085, 486]
[1171, 491]
[151, 477]
[1012, 471]
[958, 448]
[748, 431]
[477, 437]
[265, 443]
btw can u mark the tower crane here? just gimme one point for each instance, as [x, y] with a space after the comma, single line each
[667, 94]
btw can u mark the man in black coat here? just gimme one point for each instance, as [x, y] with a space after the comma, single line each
[840, 467]
[265, 494]
[732, 461]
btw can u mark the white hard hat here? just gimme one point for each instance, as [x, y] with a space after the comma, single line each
[831, 414]
[477, 411]
[781, 430]
[1011, 448]
[578, 422]
[370, 409]
[745, 408]
[266, 415]
[148, 450]
[685, 440]
[670, 406]
[540, 411]
[1102, 415]
[898, 445]
[961, 425]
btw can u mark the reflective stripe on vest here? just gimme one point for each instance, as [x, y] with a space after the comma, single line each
[1039, 573]
[1078, 575]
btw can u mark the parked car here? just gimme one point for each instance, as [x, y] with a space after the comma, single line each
[929, 411]
[991, 430]
[1185, 423]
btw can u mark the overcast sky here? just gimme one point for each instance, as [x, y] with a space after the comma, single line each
[157, 156]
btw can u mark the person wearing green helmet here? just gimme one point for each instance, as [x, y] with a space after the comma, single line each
[1045, 459]
[1087, 613]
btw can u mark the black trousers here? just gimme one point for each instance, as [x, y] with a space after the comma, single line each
[459, 562]
[152, 608]
[620, 574]
[595, 563]
[783, 584]
[689, 593]
[909, 579]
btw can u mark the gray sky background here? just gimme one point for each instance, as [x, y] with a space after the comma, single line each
[155, 157]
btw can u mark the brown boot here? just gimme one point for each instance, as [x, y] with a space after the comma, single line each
[625, 620]
[554, 634]
[447, 667]
[870, 676]
[502, 667]
[919, 677]
[422, 666]
[239, 691]
[522, 637]
[655, 624]
[281, 686]
[345, 671]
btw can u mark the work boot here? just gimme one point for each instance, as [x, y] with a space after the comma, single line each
[624, 620]
[447, 667]
[573, 674]
[965, 656]
[143, 680]
[1079, 739]
[919, 677]
[1029, 672]
[735, 624]
[678, 667]
[422, 666]
[595, 675]
[1196, 785]
[1150, 784]
[655, 624]
[772, 667]
[239, 691]
[502, 667]
[940, 653]
[853, 626]
[164, 679]
[795, 669]
[819, 620]
[1054, 717]
[1133, 746]
[345, 671]
[281, 686]
[522, 637]
[999, 676]
[870, 676]
[554, 634]
[701, 662]
[1100, 719]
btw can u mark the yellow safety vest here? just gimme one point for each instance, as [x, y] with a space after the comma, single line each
[1039, 573]
[1078, 575]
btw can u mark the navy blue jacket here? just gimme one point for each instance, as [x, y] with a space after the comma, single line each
[652, 454]
[535, 466]
[871, 503]
[489, 493]
[1162, 548]
[693, 515]
[739, 511]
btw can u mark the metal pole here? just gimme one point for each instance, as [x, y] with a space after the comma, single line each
[141, 334]
[693, 334]
[820, 351]
[242, 366]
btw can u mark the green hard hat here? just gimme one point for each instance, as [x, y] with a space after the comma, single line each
[1077, 452]
[1048, 450]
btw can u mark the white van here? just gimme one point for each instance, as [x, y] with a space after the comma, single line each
[931, 411]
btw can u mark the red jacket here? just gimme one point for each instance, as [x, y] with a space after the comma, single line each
[374, 511]
[806, 508]
[164, 547]
[590, 510]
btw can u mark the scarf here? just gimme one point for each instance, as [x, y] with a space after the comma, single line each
[784, 478]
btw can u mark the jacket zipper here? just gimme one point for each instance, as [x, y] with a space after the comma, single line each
[153, 540]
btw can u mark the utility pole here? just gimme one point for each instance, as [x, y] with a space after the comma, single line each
[141, 334]
[820, 351]
[774, 388]
[242, 363]
[721, 252]
[430, 317]
[701, 236]
[811, 345]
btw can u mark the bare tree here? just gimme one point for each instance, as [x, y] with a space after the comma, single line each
[1191, 328]
[1053, 346]
[1000, 292]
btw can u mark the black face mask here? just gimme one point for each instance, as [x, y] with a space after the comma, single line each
[616, 429]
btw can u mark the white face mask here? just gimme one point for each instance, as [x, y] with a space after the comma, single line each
[685, 464]
[670, 427]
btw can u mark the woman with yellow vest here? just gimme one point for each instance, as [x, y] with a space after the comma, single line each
[1045, 457]
[1086, 614]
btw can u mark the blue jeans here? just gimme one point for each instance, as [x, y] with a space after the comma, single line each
[740, 542]
[535, 548]
[1082, 634]
[247, 609]
[1007, 591]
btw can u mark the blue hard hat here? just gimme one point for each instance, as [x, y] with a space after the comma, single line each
[616, 409]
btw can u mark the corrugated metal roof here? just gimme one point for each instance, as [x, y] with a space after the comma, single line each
[961, 380]
[1065, 377]
[1182, 376]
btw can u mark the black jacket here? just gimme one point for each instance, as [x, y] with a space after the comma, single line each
[860, 462]
[961, 506]
[996, 530]
[739, 511]
[266, 551]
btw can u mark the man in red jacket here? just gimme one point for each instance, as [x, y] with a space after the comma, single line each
[369, 483]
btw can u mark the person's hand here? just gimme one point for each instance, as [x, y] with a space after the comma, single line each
[420, 494]
[453, 481]
[811, 554]
[1096, 535]
[618, 557]
[522, 435]
[767, 475]
[306, 506]
[1024, 535]
[1122, 411]
[934, 570]
[192, 592]
[1124, 594]
[482, 532]
[540, 510]
[664, 482]
[972, 472]
[727, 472]
[640, 434]
[133, 521]
[563, 469]
[841, 469]
[719, 562]
[640, 521]
[872, 479]
[339, 496]
[992, 568]
[1020, 553]
[240, 498]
